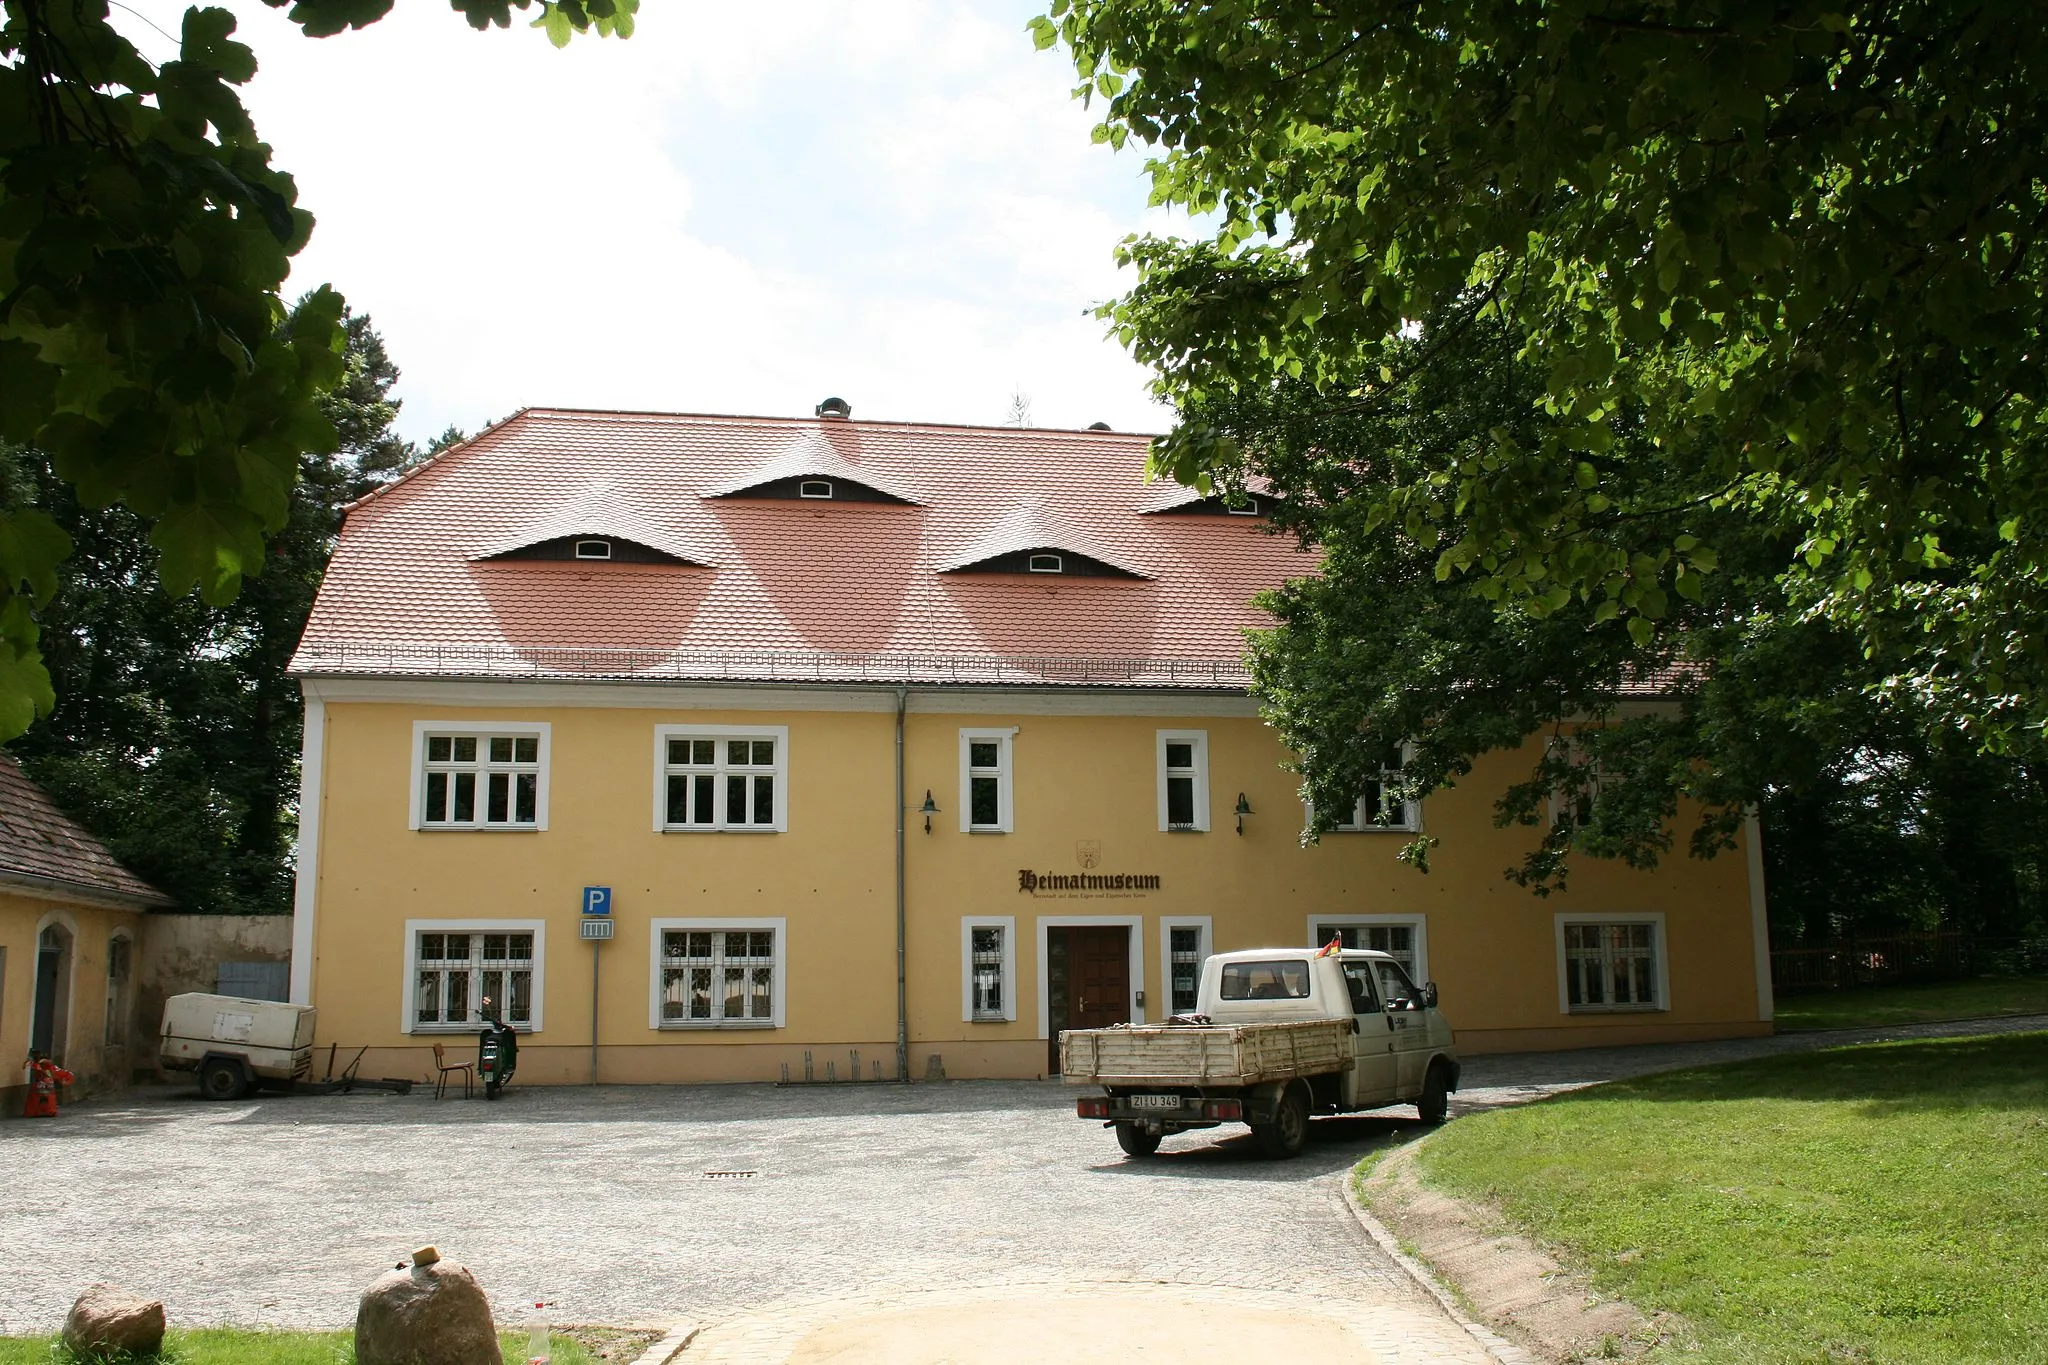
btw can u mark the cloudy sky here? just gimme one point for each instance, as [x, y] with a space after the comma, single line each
[742, 209]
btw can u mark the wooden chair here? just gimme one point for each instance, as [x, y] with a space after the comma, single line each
[444, 1066]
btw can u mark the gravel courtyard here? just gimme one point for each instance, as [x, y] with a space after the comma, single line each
[611, 1202]
[641, 1205]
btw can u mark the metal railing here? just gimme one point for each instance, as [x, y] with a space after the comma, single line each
[585, 663]
[1890, 959]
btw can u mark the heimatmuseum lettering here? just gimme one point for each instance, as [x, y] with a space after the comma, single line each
[1035, 882]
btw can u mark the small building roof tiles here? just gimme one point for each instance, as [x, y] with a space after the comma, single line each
[42, 846]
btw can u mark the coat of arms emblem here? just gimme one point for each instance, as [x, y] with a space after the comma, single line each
[1088, 853]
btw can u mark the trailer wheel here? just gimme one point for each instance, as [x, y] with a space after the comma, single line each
[1287, 1134]
[1135, 1140]
[1435, 1104]
[221, 1079]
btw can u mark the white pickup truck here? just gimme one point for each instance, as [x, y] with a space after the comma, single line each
[1280, 1033]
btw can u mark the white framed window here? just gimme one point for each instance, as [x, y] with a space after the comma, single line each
[1046, 564]
[1574, 808]
[721, 777]
[490, 775]
[1247, 506]
[1405, 938]
[1184, 945]
[718, 973]
[988, 969]
[1183, 759]
[1384, 805]
[453, 965]
[985, 788]
[593, 549]
[814, 488]
[1611, 964]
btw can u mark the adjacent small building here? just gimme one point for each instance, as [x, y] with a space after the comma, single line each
[71, 923]
[883, 745]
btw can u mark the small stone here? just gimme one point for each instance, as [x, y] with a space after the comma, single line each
[109, 1321]
[432, 1314]
[426, 1256]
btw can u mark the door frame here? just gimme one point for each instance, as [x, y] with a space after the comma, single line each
[64, 1001]
[1134, 940]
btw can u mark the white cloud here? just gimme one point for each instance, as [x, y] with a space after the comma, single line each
[741, 209]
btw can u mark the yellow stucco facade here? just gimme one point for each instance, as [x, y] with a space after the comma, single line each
[58, 949]
[1084, 796]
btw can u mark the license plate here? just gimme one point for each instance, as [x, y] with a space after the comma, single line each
[1155, 1101]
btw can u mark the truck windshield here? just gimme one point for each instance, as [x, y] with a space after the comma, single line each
[1265, 981]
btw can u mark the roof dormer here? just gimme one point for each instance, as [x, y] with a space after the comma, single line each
[811, 469]
[599, 526]
[1254, 500]
[1034, 539]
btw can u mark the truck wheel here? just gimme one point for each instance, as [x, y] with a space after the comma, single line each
[1435, 1104]
[1135, 1140]
[221, 1079]
[1287, 1134]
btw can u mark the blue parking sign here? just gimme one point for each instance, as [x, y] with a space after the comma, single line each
[597, 900]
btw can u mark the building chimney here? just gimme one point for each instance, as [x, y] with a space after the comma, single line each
[835, 407]
[1098, 426]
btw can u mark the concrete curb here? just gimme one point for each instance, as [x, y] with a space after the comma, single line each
[671, 1346]
[1495, 1345]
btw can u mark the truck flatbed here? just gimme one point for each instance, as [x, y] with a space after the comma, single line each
[1205, 1055]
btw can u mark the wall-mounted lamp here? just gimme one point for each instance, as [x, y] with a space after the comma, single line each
[928, 810]
[1244, 808]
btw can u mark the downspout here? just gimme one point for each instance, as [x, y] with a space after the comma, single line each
[902, 1000]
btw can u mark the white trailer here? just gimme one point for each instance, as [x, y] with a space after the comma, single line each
[237, 1045]
[1280, 1033]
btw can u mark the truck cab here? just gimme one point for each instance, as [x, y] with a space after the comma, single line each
[1398, 1033]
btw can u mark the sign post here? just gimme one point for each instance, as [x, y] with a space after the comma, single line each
[596, 927]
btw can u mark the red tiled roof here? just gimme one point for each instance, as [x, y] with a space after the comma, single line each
[42, 845]
[790, 590]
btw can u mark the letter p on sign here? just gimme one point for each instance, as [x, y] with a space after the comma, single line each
[597, 900]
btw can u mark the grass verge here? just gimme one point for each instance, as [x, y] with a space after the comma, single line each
[1880, 1006]
[251, 1346]
[1885, 1203]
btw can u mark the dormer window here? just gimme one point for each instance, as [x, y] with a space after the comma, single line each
[593, 549]
[1046, 564]
[814, 488]
[1249, 507]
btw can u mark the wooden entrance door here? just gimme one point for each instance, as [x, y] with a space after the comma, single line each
[1088, 978]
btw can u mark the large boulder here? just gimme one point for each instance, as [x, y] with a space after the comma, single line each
[433, 1314]
[109, 1321]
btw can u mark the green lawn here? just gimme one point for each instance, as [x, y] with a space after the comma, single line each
[1885, 1203]
[1882, 1005]
[233, 1346]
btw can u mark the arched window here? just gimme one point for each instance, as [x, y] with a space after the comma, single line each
[1046, 564]
[593, 549]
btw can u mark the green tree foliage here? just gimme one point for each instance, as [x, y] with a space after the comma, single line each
[1776, 264]
[1874, 817]
[144, 238]
[175, 736]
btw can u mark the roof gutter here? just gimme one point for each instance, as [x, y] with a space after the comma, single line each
[59, 888]
[902, 993]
